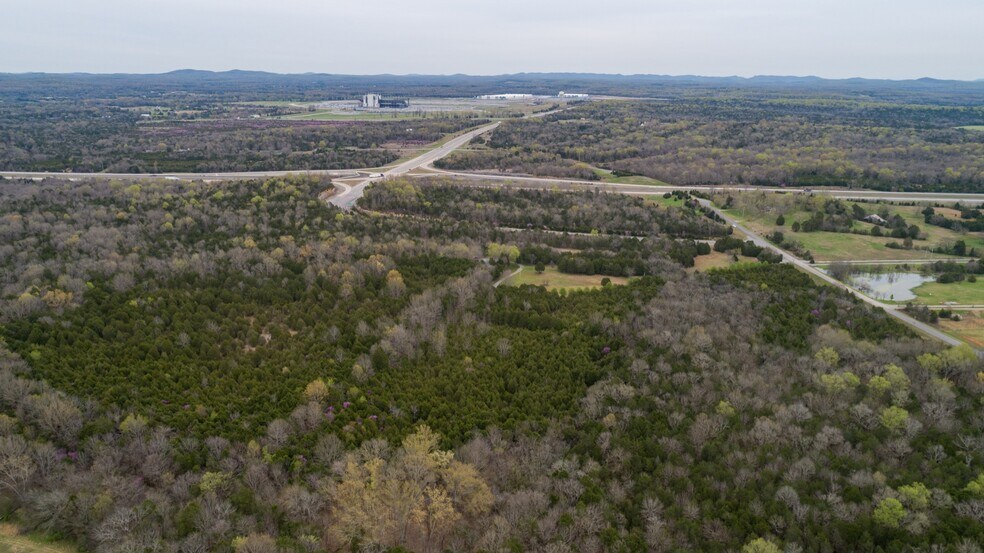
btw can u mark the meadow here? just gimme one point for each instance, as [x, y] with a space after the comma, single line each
[553, 279]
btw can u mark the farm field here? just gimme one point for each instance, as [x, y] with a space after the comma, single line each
[554, 279]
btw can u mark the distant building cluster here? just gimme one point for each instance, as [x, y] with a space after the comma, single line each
[505, 96]
[562, 94]
[376, 101]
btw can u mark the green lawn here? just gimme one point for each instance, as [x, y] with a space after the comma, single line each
[964, 293]
[972, 127]
[554, 279]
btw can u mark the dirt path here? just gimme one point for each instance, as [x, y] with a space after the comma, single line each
[507, 277]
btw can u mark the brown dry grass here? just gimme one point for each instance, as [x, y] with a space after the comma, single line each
[970, 329]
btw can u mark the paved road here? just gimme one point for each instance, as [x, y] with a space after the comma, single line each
[646, 189]
[347, 197]
[899, 261]
[178, 176]
[807, 267]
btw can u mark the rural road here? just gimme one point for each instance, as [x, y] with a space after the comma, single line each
[809, 268]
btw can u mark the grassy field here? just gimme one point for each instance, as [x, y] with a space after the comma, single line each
[11, 542]
[972, 127]
[970, 329]
[607, 176]
[836, 246]
[672, 201]
[331, 115]
[964, 293]
[935, 235]
[717, 260]
[554, 279]
[278, 103]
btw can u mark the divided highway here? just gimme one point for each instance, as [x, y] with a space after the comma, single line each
[350, 194]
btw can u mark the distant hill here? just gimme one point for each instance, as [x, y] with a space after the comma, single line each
[242, 84]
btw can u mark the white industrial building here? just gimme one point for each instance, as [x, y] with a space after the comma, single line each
[571, 95]
[505, 96]
[371, 101]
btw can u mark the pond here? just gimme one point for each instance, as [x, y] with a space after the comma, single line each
[892, 286]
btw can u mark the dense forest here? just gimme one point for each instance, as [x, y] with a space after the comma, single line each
[521, 208]
[238, 366]
[816, 141]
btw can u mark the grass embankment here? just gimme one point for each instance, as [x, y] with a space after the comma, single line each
[554, 279]
[606, 176]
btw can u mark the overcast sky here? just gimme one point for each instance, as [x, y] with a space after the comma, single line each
[829, 38]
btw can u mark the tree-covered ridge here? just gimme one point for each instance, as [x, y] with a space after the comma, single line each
[238, 367]
[569, 211]
[801, 142]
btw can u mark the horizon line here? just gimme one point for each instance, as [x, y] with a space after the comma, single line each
[484, 75]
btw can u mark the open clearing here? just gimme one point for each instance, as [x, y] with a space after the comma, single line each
[963, 293]
[554, 279]
[970, 329]
[717, 260]
[672, 201]
[12, 542]
[972, 127]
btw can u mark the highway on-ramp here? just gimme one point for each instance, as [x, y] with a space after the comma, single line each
[348, 196]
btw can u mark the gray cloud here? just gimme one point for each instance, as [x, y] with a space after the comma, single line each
[831, 38]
